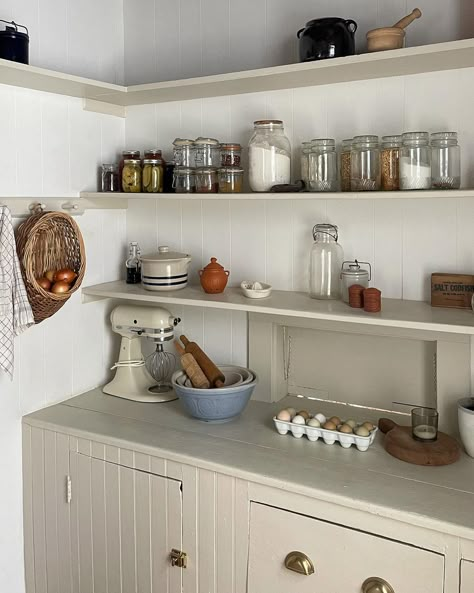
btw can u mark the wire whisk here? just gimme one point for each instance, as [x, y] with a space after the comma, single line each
[160, 365]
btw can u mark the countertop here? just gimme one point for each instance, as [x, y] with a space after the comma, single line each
[439, 498]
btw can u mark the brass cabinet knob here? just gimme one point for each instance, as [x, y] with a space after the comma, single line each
[376, 585]
[299, 562]
[178, 558]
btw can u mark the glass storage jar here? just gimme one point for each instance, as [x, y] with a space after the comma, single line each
[269, 155]
[230, 155]
[304, 163]
[183, 152]
[365, 163]
[132, 176]
[168, 177]
[325, 263]
[152, 176]
[345, 164]
[230, 180]
[110, 178]
[323, 165]
[184, 180]
[207, 152]
[390, 162]
[445, 160]
[127, 155]
[415, 161]
[206, 180]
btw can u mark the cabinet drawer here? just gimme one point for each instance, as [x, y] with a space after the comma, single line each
[467, 576]
[343, 558]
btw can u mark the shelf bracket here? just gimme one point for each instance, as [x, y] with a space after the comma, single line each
[104, 108]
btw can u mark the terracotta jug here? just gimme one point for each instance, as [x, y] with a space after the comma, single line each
[214, 277]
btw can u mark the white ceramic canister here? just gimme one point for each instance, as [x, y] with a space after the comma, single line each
[354, 274]
[165, 270]
[466, 423]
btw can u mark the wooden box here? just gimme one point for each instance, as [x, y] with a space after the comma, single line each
[452, 290]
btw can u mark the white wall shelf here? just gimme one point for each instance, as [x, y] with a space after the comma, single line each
[400, 62]
[22, 206]
[397, 314]
[104, 198]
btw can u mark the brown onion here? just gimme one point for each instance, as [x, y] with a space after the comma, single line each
[60, 287]
[65, 274]
[44, 283]
[50, 275]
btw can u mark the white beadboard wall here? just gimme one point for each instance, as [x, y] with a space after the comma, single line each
[170, 40]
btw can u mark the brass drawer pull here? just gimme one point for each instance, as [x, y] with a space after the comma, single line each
[300, 563]
[178, 558]
[376, 585]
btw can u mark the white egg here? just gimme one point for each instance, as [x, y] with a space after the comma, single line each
[292, 411]
[298, 420]
[313, 422]
[284, 415]
[321, 418]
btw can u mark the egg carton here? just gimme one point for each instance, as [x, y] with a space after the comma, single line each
[328, 436]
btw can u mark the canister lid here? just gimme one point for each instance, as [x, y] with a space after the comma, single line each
[132, 162]
[183, 142]
[152, 162]
[231, 170]
[164, 254]
[214, 266]
[210, 141]
[353, 269]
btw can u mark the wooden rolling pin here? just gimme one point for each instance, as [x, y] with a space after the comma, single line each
[192, 369]
[216, 378]
[406, 20]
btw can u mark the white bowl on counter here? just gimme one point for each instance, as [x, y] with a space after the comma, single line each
[256, 290]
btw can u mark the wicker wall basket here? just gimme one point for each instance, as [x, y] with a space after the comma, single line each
[49, 241]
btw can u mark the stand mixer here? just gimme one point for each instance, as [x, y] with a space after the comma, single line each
[132, 378]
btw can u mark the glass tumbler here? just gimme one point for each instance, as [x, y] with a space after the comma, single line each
[445, 160]
[424, 424]
[325, 263]
[323, 165]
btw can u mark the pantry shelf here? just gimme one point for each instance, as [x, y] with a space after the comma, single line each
[413, 60]
[105, 198]
[396, 314]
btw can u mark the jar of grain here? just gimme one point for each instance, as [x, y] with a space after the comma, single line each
[230, 180]
[415, 161]
[390, 159]
[132, 176]
[304, 162]
[323, 165]
[446, 160]
[345, 164]
[365, 163]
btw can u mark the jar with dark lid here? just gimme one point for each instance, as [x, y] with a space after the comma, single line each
[130, 155]
[183, 152]
[230, 155]
[206, 152]
[152, 176]
[132, 176]
[206, 180]
[110, 178]
[184, 180]
[230, 180]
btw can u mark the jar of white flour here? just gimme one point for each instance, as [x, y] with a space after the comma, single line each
[269, 155]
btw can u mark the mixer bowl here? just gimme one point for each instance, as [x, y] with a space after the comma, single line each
[213, 405]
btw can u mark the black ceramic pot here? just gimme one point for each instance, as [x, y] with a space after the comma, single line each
[326, 38]
[14, 44]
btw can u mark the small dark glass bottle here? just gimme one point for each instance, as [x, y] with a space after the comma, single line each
[133, 265]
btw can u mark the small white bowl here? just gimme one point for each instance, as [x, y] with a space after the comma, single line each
[252, 293]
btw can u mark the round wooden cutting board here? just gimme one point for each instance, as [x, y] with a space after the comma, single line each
[400, 443]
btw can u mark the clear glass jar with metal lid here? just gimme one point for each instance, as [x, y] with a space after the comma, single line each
[127, 155]
[231, 155]
[183, 152]
[207, 152]
[365, 163]
[345, 164]
[109, 178]
[269, 155]
[152, 176]
[326, 260]
[304, 163]
[184, 180]
[206, 180]
[390, 162]
[323, 165]
[231, 180]
[132, 176]
[415, 161]
[445, 160]
[354, 274]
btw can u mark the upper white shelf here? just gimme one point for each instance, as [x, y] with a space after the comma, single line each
[399, 314]
[413, 60]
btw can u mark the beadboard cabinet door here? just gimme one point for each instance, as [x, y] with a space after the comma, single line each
[467, 576]
[124, 523]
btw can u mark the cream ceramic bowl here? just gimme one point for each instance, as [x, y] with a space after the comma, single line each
[466, 423]
[165, 270]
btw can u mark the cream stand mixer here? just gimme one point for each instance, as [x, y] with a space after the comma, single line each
[132, 379]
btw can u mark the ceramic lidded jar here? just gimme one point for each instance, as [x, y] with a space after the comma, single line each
[214, 277]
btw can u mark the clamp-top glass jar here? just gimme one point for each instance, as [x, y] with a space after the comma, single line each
[445, 160]
[269, 155]
[323, 165]
[415, 161]
[183, 152]
[325, 263]
[354, 274]
[365, 163]
[207, 152]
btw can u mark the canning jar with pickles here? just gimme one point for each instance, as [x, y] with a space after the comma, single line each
[132, 176]
[152, 176]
